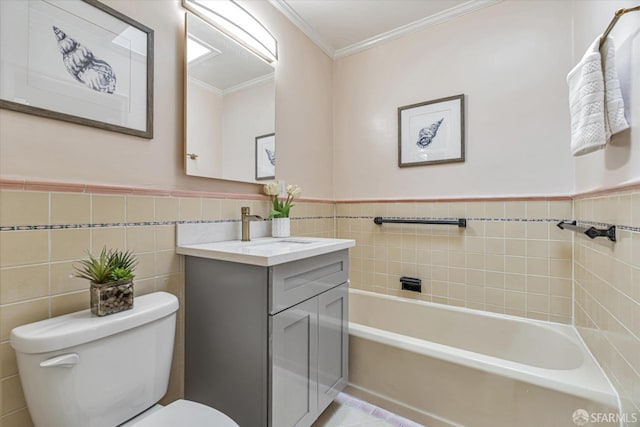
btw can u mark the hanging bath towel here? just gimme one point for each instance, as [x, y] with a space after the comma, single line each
[586, 103]
[614, 103]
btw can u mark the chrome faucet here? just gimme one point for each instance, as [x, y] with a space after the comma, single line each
[246, 218]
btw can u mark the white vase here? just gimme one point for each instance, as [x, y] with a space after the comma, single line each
[280, 227]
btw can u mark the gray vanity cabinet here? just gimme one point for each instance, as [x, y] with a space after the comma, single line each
[267, 345]
[309, 357]
[294, 387]
[333, 344]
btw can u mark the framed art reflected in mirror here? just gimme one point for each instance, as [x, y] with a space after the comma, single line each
[266, 157]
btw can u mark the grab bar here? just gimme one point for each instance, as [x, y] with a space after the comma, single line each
[460, 222]
[592, 232]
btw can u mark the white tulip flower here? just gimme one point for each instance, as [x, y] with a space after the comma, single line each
[272, 189]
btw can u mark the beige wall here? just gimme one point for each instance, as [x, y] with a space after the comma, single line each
[248, 113]
[510, 60]
[204, 130]
[620, 160]
[34, 147]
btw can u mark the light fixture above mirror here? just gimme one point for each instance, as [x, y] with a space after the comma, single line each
[229, 107]
[230, 18]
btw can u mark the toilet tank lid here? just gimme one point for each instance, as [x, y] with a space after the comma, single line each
[81, 327]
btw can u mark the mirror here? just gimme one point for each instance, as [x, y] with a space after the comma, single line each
[229, 107]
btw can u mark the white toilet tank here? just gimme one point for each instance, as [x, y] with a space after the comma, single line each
[80, 370]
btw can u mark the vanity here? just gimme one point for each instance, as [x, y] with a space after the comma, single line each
[266, 321]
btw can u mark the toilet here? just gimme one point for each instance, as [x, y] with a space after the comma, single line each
[79, 370]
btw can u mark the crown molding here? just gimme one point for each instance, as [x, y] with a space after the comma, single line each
[205, 85]
[243, 85]
[438, 18]
[302, 25]
[429, 21]
[249, 83]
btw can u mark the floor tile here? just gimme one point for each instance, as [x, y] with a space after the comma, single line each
[347, 411]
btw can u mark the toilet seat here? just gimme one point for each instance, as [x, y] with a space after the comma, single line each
[186, 413]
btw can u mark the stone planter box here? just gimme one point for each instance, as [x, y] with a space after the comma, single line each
[112, 297]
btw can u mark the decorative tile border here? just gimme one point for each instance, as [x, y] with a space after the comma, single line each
[630, 228]
[138, 224]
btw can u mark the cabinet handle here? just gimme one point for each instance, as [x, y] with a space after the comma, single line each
[192, 156]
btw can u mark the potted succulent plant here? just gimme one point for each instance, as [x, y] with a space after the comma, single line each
[279, 214]
[110, 275]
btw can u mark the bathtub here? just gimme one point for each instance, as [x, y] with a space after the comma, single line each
[450, 366]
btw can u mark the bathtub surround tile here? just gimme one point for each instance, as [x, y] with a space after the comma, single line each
[607, 291]
[504, 244]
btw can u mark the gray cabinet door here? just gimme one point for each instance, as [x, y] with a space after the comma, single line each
[296, 281]
[333, 345]
[294, 352]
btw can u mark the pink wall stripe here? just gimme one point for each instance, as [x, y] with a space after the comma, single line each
[605, 191]
[458, 199]
[71, 187]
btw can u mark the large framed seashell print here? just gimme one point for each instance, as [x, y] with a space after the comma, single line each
[79, 61]
[266, 156]
[431, 132]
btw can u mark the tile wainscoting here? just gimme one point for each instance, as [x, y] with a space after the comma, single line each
[511, 258]
[607, 290]
[42, 234]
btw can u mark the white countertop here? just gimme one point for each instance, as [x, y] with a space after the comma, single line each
[266, 251]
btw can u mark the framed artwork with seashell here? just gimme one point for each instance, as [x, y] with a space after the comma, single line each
[431, 132]
[79, 61]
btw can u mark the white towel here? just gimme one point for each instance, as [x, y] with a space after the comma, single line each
[614, 103]
[595, 99]
[586, 103]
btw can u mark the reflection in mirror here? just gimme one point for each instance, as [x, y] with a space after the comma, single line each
[229, 106]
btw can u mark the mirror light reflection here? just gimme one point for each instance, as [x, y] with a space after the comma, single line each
[230, 105]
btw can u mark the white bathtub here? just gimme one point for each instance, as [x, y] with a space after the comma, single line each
[444, 365]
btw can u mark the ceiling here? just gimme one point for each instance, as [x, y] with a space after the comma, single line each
[344, 27]
[228, 66]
